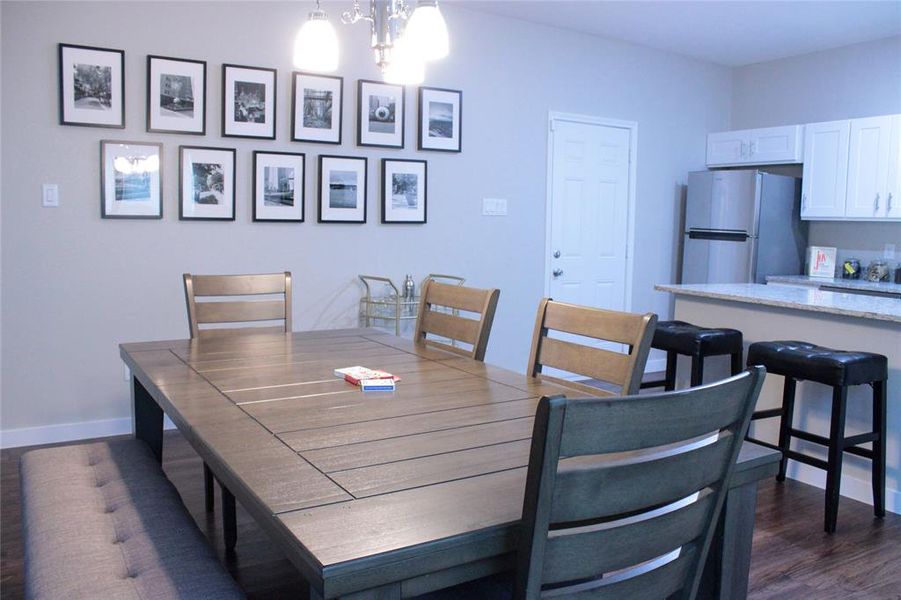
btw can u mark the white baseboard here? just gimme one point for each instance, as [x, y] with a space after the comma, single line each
[68, 432]
[856, 489]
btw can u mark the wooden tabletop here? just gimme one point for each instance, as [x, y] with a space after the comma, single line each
[359, 489]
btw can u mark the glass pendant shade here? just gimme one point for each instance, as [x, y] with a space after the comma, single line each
[426, 31]
[406, 66]
[316, 45]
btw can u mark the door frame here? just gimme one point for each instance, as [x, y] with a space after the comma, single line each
[632, 126]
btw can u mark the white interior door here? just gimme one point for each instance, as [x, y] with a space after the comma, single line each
[588, 217]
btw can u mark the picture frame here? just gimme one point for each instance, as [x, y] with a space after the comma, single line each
[404, 191]
[176, 95]
[380, 114]
[314, 117]
[278, 186]
[249, 96]
[440, 119]
[91, 86]
[342, 189]
[131, 180]
[206, 190]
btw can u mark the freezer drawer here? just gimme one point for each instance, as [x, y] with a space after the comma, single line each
[718, 257]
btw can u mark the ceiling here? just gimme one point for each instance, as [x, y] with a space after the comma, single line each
[731, 33]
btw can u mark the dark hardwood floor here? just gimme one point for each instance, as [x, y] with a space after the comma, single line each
[792, 557]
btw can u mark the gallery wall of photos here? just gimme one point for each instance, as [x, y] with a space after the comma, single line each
[92, 94]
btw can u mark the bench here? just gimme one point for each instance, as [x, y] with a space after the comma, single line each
[102, 520]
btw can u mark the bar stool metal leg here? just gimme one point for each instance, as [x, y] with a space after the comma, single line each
[737, 363]
[670, 381]
[836, 452]
[785, 423]
[878, 466]
[208, 487]
[697, 370]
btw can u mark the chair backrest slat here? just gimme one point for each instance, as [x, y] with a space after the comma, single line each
[616, 488]
[622, 369]
[237, 311]
[582, 553]
[451, 325]
[596, 490]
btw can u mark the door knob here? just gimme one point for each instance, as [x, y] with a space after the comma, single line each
[556, 254]
[558, 272]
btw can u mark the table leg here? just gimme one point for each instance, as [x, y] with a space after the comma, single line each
[229, 519]
[148, 418]
[729, 560]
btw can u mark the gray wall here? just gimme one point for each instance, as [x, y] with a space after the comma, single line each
[75, 285]
[862, 80]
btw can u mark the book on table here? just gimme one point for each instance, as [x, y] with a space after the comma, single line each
[355, 375]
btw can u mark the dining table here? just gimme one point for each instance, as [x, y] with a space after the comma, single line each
[386, 494]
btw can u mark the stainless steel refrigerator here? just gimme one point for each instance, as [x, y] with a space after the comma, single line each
[741, 226]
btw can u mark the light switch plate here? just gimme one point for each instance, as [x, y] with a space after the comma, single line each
[494, 207]
[50, 195]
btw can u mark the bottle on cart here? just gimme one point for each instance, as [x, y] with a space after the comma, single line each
[409, 288]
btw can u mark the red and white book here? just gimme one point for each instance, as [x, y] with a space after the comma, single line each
[355, 375]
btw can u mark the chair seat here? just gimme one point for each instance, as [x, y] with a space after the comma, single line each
[803, 360]
[685, 338]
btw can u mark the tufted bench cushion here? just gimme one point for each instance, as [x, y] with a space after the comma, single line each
[102, 521]
[691, 340]
[803, 360]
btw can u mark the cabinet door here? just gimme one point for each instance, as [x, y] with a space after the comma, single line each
[727, 148]
[868, 164]
[773, 145]
[893, 180]
[825, 169]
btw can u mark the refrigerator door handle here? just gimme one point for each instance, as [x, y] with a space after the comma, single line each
[726, 236]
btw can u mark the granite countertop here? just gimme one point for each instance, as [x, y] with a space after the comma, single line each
[816, 300]
[851, 284]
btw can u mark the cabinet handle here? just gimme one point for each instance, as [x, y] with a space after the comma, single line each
[876, 203]
[804, 201]
[888, 207]
[744, 150]
[753, 147]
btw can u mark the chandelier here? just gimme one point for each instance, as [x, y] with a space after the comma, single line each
[402, 38]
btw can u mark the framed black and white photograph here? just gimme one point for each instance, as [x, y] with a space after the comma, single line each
[206, 183]
[278, 179]
[176, 95]
[440, 119]
[131, 180]
[91, 86]
[404, 190]
[342, 189]
[248, 102]
[318, 106]
[380, 114]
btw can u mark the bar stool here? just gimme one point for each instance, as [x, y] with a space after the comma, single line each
[679, 337]
[798, 361]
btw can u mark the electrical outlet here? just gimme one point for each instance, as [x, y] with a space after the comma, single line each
[126, 373]
[50, 195]
[494, 207]
[889, 252]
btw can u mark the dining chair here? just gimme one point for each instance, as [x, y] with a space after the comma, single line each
[244, 311]
[439, 315]
[557, 342]
[623, 495]
[220, 312]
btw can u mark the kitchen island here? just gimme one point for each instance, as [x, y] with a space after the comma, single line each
[842, 321]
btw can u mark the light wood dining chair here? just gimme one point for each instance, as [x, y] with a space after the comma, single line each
[439, 308]
[621, 369]
[232, 312]
[657, 493]
[237, 311]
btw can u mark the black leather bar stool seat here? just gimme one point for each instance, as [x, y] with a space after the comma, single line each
[799, 361]
[679, 337]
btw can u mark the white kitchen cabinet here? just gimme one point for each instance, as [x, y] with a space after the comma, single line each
[868, 166]
[825, 181]
[764, 146]
[893, 180]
